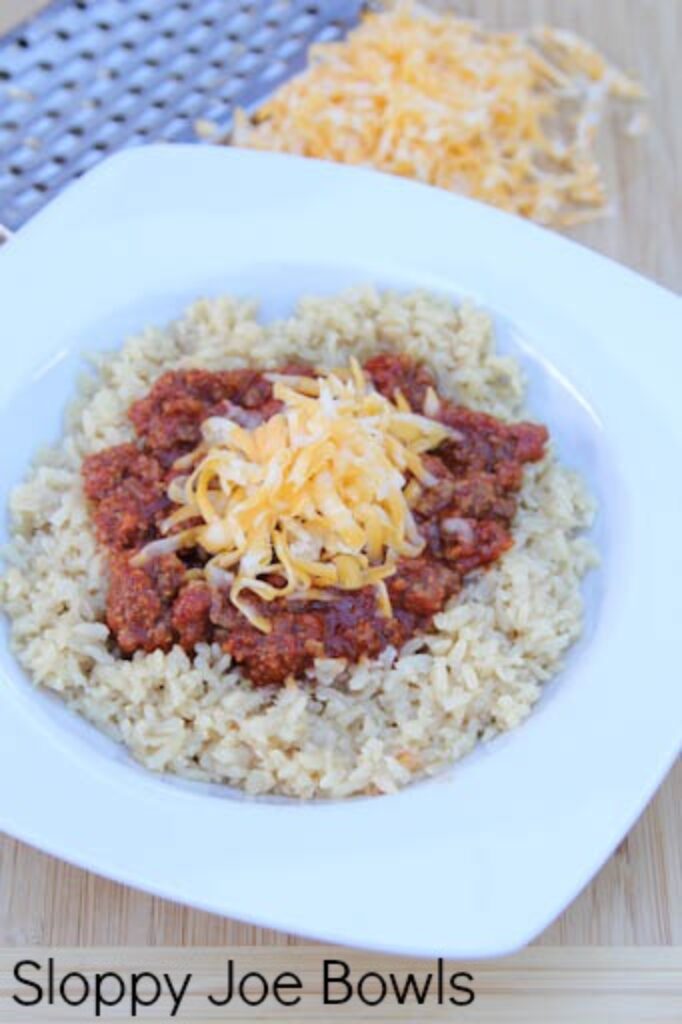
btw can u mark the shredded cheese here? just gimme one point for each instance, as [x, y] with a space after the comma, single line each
[318, 496]
[506, 117]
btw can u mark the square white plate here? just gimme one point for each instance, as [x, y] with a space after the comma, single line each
[475, 862]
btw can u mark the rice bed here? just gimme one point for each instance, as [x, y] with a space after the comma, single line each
[368, 730]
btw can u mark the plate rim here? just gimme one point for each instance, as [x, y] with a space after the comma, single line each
[92, 190]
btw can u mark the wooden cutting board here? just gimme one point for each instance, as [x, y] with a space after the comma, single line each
[637, 897]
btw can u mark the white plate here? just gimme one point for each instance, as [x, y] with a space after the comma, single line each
[478, 861]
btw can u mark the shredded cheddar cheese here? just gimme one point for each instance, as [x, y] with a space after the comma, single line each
[506, 117]
[318, 496]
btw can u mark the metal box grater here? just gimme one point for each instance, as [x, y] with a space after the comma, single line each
[88, 77]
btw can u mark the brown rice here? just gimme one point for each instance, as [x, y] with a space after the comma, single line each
[372, 729]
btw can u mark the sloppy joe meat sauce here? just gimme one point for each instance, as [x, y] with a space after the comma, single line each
[465, 519]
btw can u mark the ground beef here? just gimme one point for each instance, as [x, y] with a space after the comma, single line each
[391, 372]
[127, 493]
[140, 602]
[190, 617]
[422, 586]
[168, 420]
[295, 640]
[465, 517]
[486, 443]
[349, 625]
[435, 498]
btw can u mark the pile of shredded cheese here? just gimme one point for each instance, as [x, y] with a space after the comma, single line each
[318, 495]
[506, 117]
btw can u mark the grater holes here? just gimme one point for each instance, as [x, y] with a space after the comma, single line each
[329, 33]
[175, 127]
[274, 69]
[258, 41]
[23, 43]
[288, 47]
[45, 65]
[198, 46]
[301, 24]
[40, 186]
[247, 63]
[15, 170]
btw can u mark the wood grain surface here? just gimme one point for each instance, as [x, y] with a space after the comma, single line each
[637, 897]
[588, 984]
[12, 12]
